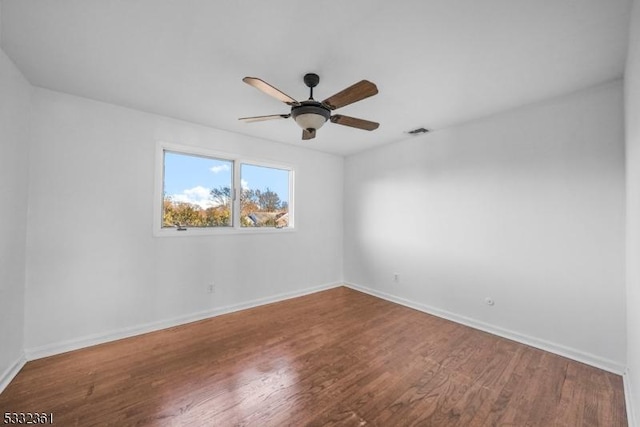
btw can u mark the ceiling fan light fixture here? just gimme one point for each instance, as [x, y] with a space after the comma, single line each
[310, 115]
[310, 121]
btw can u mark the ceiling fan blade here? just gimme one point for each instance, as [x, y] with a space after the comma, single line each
[270, 90]
[354, 123]
[263, 118]
[356, 92]
[308, 134]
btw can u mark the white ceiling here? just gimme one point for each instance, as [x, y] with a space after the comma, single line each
[435, 62]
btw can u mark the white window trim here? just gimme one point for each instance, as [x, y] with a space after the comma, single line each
[159, 231]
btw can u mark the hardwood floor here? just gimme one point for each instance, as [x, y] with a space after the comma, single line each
[337, 357]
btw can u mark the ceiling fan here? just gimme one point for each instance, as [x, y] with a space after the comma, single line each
[310, 115]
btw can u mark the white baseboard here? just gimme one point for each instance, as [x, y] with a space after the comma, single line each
[95, 339]
[570, 353]
[628, 400]
[10, 373]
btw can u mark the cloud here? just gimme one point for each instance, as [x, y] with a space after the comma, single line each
[199, 195]
[220, 168]
[244, 184]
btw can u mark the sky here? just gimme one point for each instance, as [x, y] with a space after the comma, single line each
[189, 178]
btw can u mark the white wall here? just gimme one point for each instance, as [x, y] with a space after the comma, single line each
[14, 119]
[94, 268]
[526, 207]
[632, 115]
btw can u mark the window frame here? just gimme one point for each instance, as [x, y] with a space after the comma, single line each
[237, 161]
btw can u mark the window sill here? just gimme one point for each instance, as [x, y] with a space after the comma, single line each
[222, 231]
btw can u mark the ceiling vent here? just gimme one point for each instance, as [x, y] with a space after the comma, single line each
[418, 131]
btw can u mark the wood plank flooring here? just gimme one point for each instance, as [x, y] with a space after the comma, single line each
[337, 357]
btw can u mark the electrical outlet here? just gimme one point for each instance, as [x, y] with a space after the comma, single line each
[396, 277]
[211, 289]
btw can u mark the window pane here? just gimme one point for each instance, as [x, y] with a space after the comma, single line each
[264, 199]
[196, 191]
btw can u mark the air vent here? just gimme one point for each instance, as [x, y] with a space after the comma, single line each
[418, 131]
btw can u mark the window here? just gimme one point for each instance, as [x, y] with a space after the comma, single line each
[192, 191]
[264, 200]
[203, 192]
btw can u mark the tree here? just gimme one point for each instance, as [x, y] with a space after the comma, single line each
[217, 216]
[221, 195]
[181, 213]
[268, 200]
